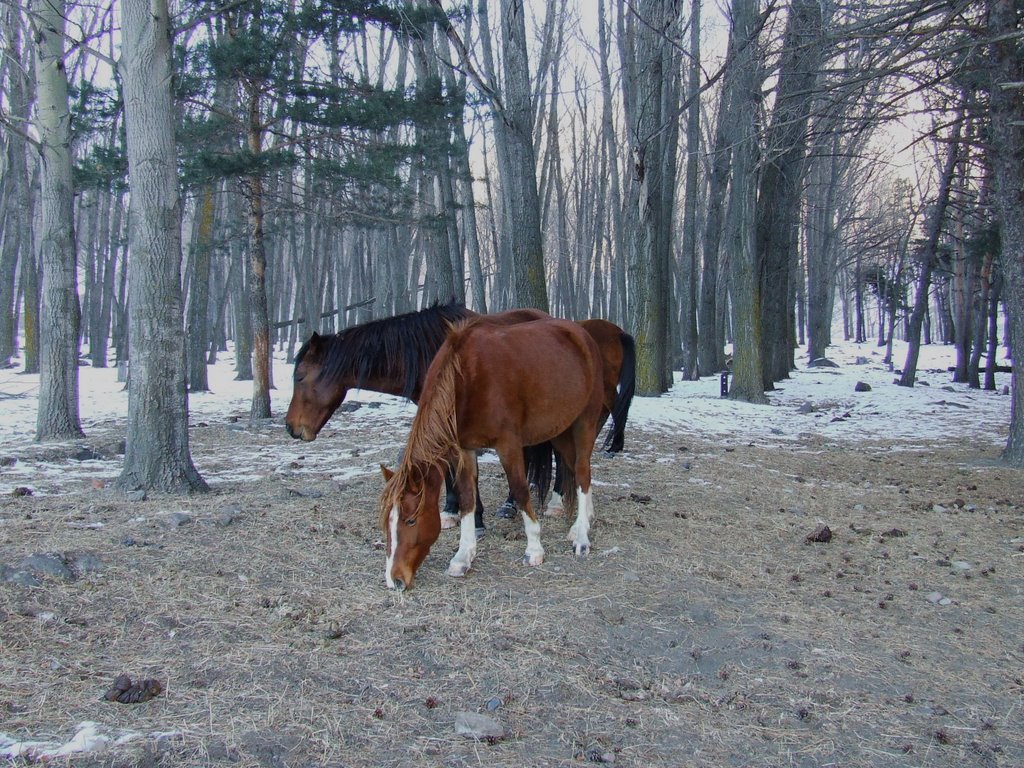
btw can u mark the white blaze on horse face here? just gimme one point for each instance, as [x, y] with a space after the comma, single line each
[463, 560]
[392, 546]
[534, 550]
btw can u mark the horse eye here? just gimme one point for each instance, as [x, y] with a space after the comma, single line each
[411, 521]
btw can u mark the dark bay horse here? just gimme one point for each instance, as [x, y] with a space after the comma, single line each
[392, 355]
[500, 387]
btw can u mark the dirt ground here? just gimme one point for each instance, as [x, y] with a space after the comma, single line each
[703, 630]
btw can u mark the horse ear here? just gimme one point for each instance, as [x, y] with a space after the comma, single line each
[314, 338]
[388, 474]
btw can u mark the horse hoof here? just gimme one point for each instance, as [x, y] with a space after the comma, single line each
[581, 549]
[533, 560]
[448, 520]
[553, 510]
[458, 571]
[507, 510]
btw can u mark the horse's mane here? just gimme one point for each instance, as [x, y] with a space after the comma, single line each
[382, 348]
[433, 438]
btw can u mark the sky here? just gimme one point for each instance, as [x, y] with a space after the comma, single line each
[928, 412]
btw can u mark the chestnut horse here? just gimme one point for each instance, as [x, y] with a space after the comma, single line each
[392, 356]
[500, 387]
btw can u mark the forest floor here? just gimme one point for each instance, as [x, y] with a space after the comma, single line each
[703, 630]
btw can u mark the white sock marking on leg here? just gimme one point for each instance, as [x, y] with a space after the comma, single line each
[534, 550]
[463, 559]
[580, 530]
[392, 546]
[555, 505]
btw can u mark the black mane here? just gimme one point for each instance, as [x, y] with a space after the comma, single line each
[399, 346]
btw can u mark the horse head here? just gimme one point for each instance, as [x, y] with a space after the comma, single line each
[316, 396]
[411, 521]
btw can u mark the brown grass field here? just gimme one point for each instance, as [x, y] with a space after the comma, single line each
[703, 630]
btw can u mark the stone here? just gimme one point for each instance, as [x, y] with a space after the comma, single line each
[176, 519]
[47, 565]
[472, 725]
[805, 408]
[85, 562]
[10, 575]
[135, 495]
[861, 386]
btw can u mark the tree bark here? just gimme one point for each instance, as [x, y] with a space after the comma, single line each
[645, 83]
[1007, 157]
[933, 231]
[521, 195]
[781, 184]
[157, 451]
[689, 267]
[60, 320]
[745, 285]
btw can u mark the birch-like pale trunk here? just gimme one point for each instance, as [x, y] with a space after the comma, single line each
[157, 449]
[58, 416]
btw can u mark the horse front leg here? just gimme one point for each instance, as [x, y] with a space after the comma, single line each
[466, 485]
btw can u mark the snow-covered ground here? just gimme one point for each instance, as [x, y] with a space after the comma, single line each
[814, 401]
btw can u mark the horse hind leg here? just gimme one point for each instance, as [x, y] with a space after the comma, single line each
[515, 470]
[450, 513]
[579, 533]
[556, 506]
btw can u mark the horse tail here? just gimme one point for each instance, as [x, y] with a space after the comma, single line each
[623, 397]
[538, 467]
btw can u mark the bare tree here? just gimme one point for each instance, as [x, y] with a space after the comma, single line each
[1006, 149]
[157, 452]
[745, 284]
[58, 416]
[651, 104]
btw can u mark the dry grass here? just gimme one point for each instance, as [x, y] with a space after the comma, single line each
[703, 630]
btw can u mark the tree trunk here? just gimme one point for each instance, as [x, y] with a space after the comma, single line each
[778, 200]
[17, 194]
[933, 231]
[157, 451]
[57, 418]
[1007, 159]
[521, 194]
[645, 83]
[745, 285]
[689, 270]
[711, 338]
[197, 325]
